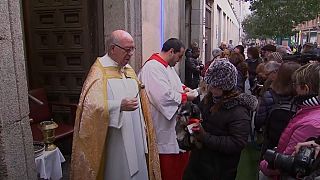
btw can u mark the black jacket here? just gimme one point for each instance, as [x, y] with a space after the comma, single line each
[252, 66]
[226, 135]
[192, 76]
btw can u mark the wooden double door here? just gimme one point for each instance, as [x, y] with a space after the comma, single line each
[63, 38]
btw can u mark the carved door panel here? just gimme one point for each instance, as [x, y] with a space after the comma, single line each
[62, 40]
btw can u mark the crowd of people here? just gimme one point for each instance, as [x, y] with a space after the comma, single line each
[126, 124]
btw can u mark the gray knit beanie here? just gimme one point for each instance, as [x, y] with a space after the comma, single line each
[221, 74]
[216, 52]
[275, 56]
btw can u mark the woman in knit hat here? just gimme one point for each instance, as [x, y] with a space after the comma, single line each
[216, 53]
[225, 127]
[275, 56]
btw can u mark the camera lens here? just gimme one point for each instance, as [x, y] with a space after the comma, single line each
[278, 161]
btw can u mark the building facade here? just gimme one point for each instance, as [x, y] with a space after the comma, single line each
[223, 23]
[53, 43]
[63, 38]
[309, 31]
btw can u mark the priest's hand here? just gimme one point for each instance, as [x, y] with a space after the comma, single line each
[191, 95]
[187, 90]
[129, 104]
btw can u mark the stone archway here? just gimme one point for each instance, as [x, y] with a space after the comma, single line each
[16, 150]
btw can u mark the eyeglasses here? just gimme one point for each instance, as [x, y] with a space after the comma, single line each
[268, 73]
[127, 50]
[297, 84]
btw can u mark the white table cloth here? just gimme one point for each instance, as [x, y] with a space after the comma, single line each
[48, 165]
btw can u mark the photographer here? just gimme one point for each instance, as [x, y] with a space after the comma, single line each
[306, 122]
[253, 61]
[193, 67]
[308, 48]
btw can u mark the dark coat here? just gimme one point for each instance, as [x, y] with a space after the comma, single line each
[264, 106]
[241, 80]
[274, 123]
[192, 76]
[226, 135]
[252, 66]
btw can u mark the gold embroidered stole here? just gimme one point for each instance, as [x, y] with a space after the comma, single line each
[91, 126]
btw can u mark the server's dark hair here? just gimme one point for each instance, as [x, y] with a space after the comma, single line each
[174, 43]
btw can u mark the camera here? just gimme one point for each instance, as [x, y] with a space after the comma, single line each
[257, 86]
[201, 66]
[188, 53]
[187, 113]
[256, 89]
[297, 166]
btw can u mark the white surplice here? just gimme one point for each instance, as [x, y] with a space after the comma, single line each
[126, 139]
[164, 90]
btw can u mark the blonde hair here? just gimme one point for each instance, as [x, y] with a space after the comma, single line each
[225, 53]
[309, 74]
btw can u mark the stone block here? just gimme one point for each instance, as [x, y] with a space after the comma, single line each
[196, 16]
[196, 4]
[20, 73]
[14, 151]
[28, 148]
[196, 33]
[14, 8]
[116, 10]
[4, 21]
[171, 20]
[9, 106]
[3, 166]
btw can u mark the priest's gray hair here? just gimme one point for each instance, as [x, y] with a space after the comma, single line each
[110, 40]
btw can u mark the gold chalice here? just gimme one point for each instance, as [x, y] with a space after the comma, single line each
[48, 128]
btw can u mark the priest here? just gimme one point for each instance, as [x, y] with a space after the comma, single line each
[113, 134]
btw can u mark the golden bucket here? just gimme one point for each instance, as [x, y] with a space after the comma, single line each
[48, 128]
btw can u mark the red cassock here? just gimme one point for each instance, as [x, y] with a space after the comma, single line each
[173, 165]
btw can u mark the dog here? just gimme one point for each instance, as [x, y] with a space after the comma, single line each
[188, 114]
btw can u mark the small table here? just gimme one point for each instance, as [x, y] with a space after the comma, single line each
[48, 165]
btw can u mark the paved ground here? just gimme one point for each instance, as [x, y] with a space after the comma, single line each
[66, 168]
[247, 169]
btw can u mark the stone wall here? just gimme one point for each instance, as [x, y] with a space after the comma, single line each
[16, 150]
[126, 15]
